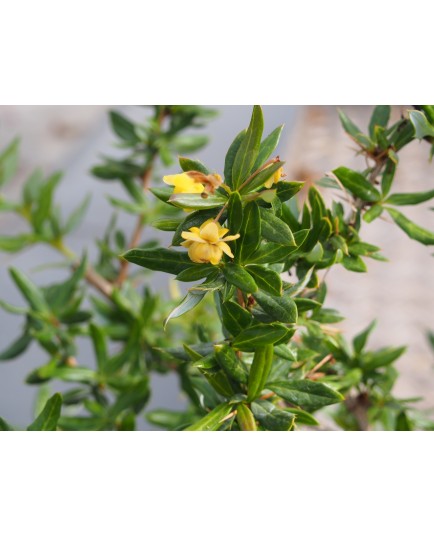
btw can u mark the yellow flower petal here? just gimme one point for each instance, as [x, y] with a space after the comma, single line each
[274, 178]
[186, 243]
[193, 237]
[226, 249]
[184, 184]
[231, 237]
[223, 231]
[203, 253]
[210, 232]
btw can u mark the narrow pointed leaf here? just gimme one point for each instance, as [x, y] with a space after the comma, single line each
[305, 393]
[213, 420]
[47, 419]
[159, 259]
[259, 371]
[238, 276]
[411, 229]
[266, 279]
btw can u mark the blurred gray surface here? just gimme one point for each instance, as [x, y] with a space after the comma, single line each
[70, 138]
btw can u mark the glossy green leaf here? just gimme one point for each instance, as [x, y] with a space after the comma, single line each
[235, 318]
[164, 193]
[235, 213]
[250, 232]
[213, 420]
[266, 279]
[259, 371]
[230, 157]
[267, 147]
[411, 229]
[271, 253]
[47, 419]
[167, 224]
[357, 184]
[380, 116]
[159, 259]
[193, 165]
[287, 190]
[373, 213]
[249, 149]
[274, 229]
[259, 335]
[422, 126]
[354, 264]
[410, 198]
[271, 417]
[188, 303]
[257, 180]
[305, 393]
[239, 277]
[230, 363]
[245, 419]
[5, 426]
[17, 347]
[281, 308]
[189, 144]
[197, 201]
[196, 272]
[31, 293]
[99, 345]
[45, 199]
[306, 304]
[354, 131]
[284, 352]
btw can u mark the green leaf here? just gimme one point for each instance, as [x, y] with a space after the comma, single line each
[159, 259]
[373, 213]
[47, 419]
[235, 213]
[193, 165]
[280, 308]
[272, 418]
[267, 147]
[287, 190]
[357, 184]
[259, 371]
[196, 201]
[266, 279]
[271, 253]
[274, 229]
[195, 219]
[12, 244]
[421, 125]
[306, 304]
[62, 293]
[239, 277]
[354, 131]
[213, 420]
[230, 363]
[99, 346]
[306, 393]
[354, 264]
[381, 358]
[245, 419]
[166, 224]
[360, 340]
[196, 272]
[123, 127]
[249, 148]
[76, 217]
[259, 335]
[250, 232]
[230, 157]
[163, 193]
[18, 346]
[327, 316]
[189, 144]
[9, 162]
[284, 352]
[380, 117]
[189, 302]
[296, 289]
[235, 318]
[411, 229]
[410, 198]
[45, 199]
[32, 294]
[258, 180]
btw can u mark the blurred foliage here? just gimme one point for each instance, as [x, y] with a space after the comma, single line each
[252, 350]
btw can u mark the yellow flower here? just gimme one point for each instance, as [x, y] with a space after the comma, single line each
[206, 243]
[184, 184]
[274, 178]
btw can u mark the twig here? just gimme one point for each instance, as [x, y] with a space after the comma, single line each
[269, 163]
[323, 361]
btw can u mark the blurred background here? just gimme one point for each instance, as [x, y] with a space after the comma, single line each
[71, 139]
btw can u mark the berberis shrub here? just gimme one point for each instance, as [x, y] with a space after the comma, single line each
[250, 341]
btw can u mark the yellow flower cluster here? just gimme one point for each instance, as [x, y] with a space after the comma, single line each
[184, 184]
[206, 243]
